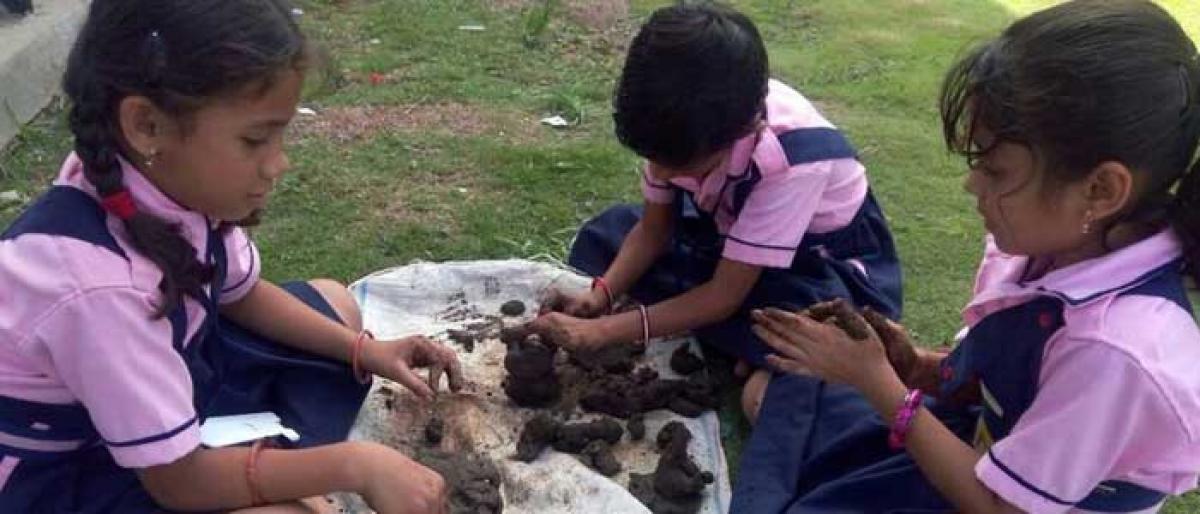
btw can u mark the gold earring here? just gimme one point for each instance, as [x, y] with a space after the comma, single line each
[1087, 222]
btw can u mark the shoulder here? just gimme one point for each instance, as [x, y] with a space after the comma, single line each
[789, 110]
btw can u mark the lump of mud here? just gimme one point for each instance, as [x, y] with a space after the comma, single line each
[538, 433]
[623, 396]
[614, 358]
[464, 338]
[677, 484]
[842, 314]
[599, 456]
[531, 380]
[473, 481]
[684, 362]
[574, 437]
[435, 431]
[512, 308]
[636, 427]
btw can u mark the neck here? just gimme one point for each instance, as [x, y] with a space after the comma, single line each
[1101, 242]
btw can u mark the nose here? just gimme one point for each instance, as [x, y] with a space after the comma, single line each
[970, 184]
[277, 167]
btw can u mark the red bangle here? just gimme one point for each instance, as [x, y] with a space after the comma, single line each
[898, 436]
[256, 496]
[602, 284]
[356, 357]
[645, 324]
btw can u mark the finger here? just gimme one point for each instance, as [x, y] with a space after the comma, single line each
[784, 322]
[786, 365]
[778, 343]
[823, 310]
[412, 382]
[435, 377]
[454, 371]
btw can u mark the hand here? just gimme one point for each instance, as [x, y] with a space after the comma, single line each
[397, 360]
[806, 346]
[395, 484]
[568, 332]
[901, 352]
[587, 304]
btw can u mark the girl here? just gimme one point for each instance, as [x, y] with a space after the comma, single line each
[752, 198]
[1074, 385]
[141, 312]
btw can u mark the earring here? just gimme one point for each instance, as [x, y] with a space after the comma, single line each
[150, 157]
[1087, 222]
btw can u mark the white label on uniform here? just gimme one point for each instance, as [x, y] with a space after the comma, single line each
[230, 430]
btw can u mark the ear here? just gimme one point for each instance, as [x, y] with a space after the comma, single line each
[1109, 189]
[143, 125]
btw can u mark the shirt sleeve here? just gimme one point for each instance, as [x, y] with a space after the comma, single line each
[769, 228]
[244, 266]
[656, 191]
[120, 364]
[1097, 416]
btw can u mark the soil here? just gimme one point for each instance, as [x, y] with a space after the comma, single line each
[841, 313]
[625, 395]
[684, 362]
[474, 481]
[677, 482]
[512, 308]
[538, 433]
[592, 441]
[435, 430]
[574, 437]
[599, 456]
[616, 358]
[636, 427]
[464, 338]
[531, 380]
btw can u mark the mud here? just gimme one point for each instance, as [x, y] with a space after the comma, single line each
[435, 431]
[843, 315]
[616, 358]
[599, 456]
[512, 308]
[574, 437]
[625, 395]
[636, 427]
[677, 484]
[473, 481]
[684, 362]
[531, 380]
[536, 435]
[592, 441]
[464, 338]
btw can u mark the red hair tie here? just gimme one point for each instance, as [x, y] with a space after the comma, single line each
[120, 204]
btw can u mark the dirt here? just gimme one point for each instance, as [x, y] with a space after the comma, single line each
[684, 362]
[435, 431]
[538, 433]
[531, 380]
[677, 484]
[599, 456]
[574, 437]
[512, 308]
[625, 395]
[615, 358]
[474, 481]
[636, 427]
[464, 338]
[843, 315]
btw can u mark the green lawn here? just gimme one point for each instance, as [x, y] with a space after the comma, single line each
[427, 144]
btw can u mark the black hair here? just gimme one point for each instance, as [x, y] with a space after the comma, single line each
[180, 54]
[694, 82]
[1087, 82]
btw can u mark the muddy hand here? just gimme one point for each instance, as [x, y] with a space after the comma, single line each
[823, 349]
[841, 313]
[566, 331]
[900, 350]
[399, 359]
[586, 304]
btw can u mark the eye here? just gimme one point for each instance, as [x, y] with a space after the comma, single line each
[254, 142]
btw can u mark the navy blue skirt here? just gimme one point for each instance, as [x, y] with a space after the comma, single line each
[233, 372]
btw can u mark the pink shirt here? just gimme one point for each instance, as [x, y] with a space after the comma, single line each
[789, 201]
[76, 327]
[1118, 392]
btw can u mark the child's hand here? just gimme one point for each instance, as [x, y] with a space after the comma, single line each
[392, 483]
[397, 360]
[588, 304]
[566, 331]
[806, 346]
[901, 352]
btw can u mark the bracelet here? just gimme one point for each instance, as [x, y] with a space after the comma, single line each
[645, 324]
[603, 285]
[356, 357]
[897, 437]
[256, 496]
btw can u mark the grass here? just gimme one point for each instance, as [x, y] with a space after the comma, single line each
[490, 182]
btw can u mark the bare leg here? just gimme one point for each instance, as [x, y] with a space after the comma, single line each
[753, 392]
[340, 299]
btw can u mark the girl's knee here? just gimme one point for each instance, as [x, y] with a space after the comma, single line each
[753, 392]
[339, 297]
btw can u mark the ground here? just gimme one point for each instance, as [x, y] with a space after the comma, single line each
[426, 143]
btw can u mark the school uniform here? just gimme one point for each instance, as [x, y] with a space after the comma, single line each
[93, 387]
[794, 200]
[1088, 400]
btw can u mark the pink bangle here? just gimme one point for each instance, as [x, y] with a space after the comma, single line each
[897, 437]
[603, 285]
[645, 324]
[356, 357]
